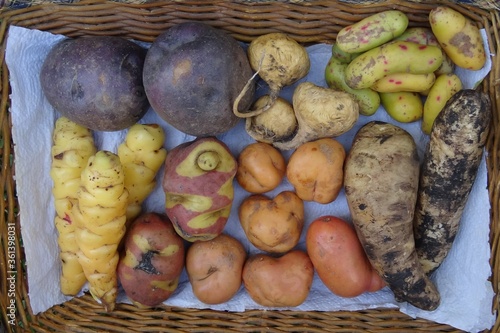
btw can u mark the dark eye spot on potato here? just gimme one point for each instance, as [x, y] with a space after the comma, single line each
[77, 92]
[146, 265]
[384, 138]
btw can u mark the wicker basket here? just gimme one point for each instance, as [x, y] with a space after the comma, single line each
[307, 22]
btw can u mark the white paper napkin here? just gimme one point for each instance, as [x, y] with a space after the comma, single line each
[462, 279]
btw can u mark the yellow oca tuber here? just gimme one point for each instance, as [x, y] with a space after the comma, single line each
[72, 147]
[141, 155]
[101, 217]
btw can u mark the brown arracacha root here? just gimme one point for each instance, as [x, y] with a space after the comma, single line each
[450, 166]
[381, 184]
[280, 61]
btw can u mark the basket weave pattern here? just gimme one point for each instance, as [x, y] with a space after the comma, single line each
[307, 22]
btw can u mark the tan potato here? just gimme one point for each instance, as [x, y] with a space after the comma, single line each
[283, 281]
[273, 225]
[261, 168]
[315, 169]
[214, 268]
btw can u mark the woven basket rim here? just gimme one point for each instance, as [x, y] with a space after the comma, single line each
[82, 17]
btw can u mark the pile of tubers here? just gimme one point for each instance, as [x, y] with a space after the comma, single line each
[316, 112]
[401, 229]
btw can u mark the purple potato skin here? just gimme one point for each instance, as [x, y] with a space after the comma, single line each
[96, 81]
[192, 76]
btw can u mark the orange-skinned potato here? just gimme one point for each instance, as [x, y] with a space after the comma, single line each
[273, 225]
[198, 186]
[278, 282]
[261, 168]
[214, 268]
[315, 169]
[152, 260]
[339, 258]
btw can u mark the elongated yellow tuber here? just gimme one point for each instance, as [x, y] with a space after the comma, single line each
[101, 217]
[72, 147]
[141, 155]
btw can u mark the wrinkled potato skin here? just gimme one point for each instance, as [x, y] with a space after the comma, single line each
[279, 59]
[152, 260]
[261, 168]
[339, 258]
[277, 123]
[278, 282]
[273, 225]
[321, 112]
[214, 268]
[315, 169]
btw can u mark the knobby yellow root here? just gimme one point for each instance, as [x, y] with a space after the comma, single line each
[72, 147]
[141, 155]
[101, 217]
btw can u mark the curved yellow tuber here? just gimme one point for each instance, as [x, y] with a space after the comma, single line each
[72, 147]
[141, 155]
[101, 217]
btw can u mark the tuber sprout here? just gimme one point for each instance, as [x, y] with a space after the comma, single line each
[208, 160]
[280, 61]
